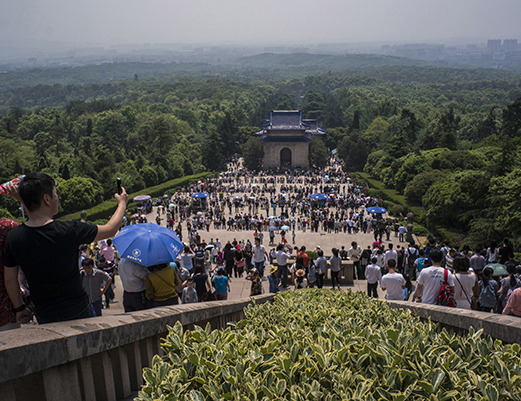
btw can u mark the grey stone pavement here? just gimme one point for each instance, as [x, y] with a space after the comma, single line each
[240, 287]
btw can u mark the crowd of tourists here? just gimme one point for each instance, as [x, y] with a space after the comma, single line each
[448, 276]
[59, 271]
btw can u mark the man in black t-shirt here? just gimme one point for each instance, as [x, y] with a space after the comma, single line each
[47, 252]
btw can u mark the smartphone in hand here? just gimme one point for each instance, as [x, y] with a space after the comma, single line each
[118, 182]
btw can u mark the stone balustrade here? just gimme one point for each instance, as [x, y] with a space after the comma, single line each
[458, 321]
[103, 358]
[100, 358]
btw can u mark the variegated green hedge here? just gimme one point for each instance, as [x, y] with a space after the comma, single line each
[331, 345]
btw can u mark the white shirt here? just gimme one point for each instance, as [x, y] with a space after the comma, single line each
[467, 281]
[321, 265]
[391, 254]
[133, 275]
[186, 260]
[373, 273]
[258, 253]
[410, 251]
[354, 254]
[218, 245]
[393, 283]
[282, 258]
[432, 279]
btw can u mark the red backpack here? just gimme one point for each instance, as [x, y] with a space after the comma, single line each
[446, 294]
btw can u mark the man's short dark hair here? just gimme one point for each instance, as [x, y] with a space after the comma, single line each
[87, 262]
[391, 263]
[436, 255]
[32, 189]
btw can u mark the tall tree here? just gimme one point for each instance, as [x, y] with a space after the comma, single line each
[313, 105]
[488, 126]
[446, 130]
[355, 123]
[253, 153]
[318, 153]
[212, 152]
[353, 150]
[411, 125]
[512, 119]
[161, 135]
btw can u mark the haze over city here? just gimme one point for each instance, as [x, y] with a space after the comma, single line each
[104, 22]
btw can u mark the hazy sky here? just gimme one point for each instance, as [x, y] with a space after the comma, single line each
[259, 21]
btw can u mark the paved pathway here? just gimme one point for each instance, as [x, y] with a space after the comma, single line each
[240, 288]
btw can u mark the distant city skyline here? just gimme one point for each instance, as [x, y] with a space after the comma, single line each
[243, 22]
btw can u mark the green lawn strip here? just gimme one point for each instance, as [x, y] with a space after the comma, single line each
[105, 209]
[390, 194]
[392, 197]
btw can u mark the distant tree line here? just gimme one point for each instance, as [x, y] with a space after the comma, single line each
[426, 131]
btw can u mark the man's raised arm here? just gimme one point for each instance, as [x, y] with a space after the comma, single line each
[111, 228]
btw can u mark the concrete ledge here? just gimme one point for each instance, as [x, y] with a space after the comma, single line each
[103, 358]
[501, 327]
[32, 349]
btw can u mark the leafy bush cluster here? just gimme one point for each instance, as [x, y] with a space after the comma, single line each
[326, 345]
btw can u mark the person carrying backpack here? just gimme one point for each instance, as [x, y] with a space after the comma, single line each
[432, 279]
[411, 254]
[508, 285]
[488, 288]
[421, 262]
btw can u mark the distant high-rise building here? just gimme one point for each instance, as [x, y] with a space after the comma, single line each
[494, 45]
[510, 45]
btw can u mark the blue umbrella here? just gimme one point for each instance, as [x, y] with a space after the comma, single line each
[148, 244]
[199, 195]
[376, 210]
[285, 228]
[318, 196]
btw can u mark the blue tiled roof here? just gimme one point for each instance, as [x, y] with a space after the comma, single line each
[312, 124]
[284, 120]
[304, 138]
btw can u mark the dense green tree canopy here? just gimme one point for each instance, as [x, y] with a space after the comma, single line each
[79, 193]
[253, 152]
[426, 131]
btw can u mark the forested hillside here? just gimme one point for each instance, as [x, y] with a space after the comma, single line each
[446, 138]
